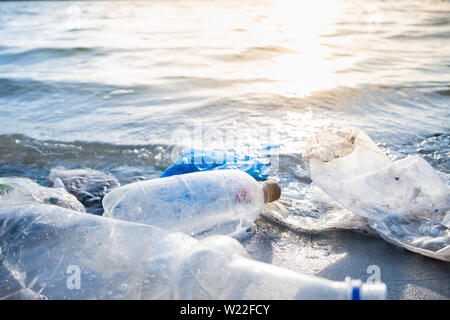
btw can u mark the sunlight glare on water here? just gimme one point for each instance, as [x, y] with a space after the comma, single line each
[307, 65]
[134, 72]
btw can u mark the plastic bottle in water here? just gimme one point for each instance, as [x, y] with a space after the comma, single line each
[48, 252]
[200, 203]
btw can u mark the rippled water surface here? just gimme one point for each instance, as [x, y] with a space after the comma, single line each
[118, 85]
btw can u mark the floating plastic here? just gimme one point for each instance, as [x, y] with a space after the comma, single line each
[49, 252]
[17, 191]
[195, 160]
[405, 201]
[223, 202]
[88, 185]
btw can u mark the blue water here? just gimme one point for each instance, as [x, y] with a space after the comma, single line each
[119, 86]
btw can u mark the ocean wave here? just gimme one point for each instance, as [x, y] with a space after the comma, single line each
[31, 89]
[27, 157]
[41, 54]
[255, 53]
[420, 35]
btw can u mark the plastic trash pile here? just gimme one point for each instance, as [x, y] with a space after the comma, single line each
[48, 250]
[56, 253]
[404, 201]
[175, 237]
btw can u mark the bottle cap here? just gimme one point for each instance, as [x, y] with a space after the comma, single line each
[272, 191]
[373, 291]
[365, 291]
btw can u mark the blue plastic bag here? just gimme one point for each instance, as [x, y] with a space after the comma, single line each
[194, 160]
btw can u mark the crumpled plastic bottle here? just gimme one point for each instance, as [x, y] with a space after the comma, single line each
[405, 201]
[87, 185]
[223, 201]
[17, 191]
[47, 252]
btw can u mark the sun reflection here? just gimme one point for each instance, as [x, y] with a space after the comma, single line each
[291, 45]
[302, 26]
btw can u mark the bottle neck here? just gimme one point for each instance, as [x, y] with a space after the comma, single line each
[271, 190]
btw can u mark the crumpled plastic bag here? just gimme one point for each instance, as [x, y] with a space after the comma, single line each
[316, 213]
[194, 160]
[405, 201]
[19, 191]
[87, 185]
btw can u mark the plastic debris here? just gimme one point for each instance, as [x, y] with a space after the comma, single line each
[316, 213]
[405, 201]
[218, 267]
[49, 252]
[17, 191]
[223, 202]
[194, 160]
[88, 185]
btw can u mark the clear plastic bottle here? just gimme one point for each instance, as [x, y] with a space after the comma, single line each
[221, 202]
[218, 267]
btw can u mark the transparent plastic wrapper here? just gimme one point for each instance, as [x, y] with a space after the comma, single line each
[49, 252]
[222, 202]
[317, 212]
[17, 191]
[88, 185]
[405, 201]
